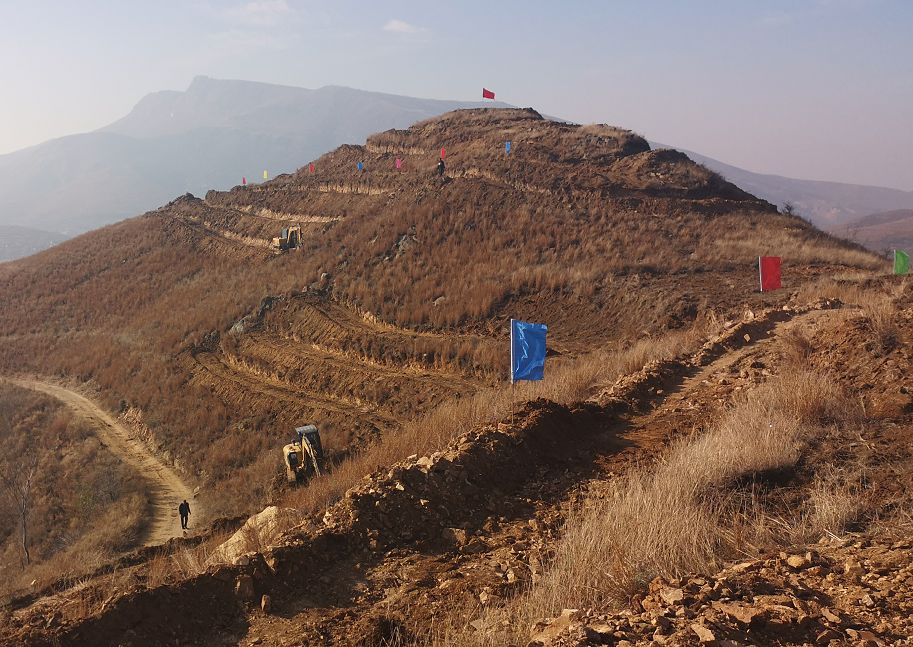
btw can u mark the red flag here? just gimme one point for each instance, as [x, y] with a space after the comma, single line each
[443, 153]
[769, 270]
[243, 180]
[311, 167]
[487, 94]
[399, 162]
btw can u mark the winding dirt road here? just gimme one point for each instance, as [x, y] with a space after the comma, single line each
[166, 489]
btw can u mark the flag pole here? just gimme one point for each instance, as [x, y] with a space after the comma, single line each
[512, 381]
[760, 274]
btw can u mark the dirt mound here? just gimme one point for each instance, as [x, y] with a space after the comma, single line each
[857, 590]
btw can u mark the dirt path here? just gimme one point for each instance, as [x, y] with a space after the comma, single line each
[166, 489]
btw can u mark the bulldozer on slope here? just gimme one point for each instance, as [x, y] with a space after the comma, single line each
[304, 455]
[289, 238]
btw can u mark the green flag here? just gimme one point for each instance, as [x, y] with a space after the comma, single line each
[901, 262]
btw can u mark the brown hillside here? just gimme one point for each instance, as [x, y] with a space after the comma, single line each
[786, 521]
[883, 231]
[212, 347]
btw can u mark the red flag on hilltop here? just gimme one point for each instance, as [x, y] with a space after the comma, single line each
[244, 181]
[487, 94]
[769, 270]
[311, 167]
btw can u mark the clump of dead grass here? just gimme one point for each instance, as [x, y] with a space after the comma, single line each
[879, 313]
[690, 510]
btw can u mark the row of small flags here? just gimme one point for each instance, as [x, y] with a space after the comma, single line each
[486, 94]
[361, 166]
[769, 269]
[527, 340]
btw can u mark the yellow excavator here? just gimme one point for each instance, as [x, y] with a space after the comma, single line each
[289, 238]
[304, 455]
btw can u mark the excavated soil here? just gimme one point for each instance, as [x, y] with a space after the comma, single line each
[437, 538]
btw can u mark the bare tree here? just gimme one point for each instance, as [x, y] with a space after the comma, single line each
[17, 480]
[789, 209]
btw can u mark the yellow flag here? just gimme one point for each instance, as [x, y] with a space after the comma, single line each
[265, 175]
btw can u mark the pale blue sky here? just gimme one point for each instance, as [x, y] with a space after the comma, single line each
[811, 88]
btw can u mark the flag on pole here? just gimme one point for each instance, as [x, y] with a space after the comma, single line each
[769, 272]
[901, 262]
[399, 162]
[361, 166]
[443, 153]
[507, 147]
[243, 181]
[527, 350]
[265, 175]
[311, 167]
[487, 94]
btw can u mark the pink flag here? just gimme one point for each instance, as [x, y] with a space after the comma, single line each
[769, 270]
[311, 167]
[399, 162]
[487, 94]
[243, 180]
[443, 153]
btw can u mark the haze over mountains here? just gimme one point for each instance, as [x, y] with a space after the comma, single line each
[218, 131]
[209, 136]
[828, 205]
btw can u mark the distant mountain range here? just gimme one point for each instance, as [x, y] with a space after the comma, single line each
[218, 131]
[828, 205]
[209, 136]
[882, 231]
[16, 242]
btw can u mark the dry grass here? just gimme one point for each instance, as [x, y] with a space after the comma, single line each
[566, 382]
[558, 239]
[697, 505]
[797, 348]
[879, 312]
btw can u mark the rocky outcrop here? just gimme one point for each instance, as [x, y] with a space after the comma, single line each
[853, 592]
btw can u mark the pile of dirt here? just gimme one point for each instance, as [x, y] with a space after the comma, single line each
[857, 590]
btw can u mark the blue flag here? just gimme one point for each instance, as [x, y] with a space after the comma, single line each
[360, 166]
[507, 147]
[527, 350]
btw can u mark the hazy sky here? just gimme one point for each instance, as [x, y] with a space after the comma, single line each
[809, 88]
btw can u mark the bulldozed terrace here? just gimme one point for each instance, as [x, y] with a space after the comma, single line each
[457, 510]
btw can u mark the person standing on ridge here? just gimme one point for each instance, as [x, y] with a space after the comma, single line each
[184, 511]
[440, 168]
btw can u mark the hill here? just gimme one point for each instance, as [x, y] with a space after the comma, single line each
[218, 131]
[829, 205]
[881, 232]
[387, 327]
[16, 242]
[209, 136]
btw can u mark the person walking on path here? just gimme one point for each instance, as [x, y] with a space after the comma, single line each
[440, 168]
[184, 511]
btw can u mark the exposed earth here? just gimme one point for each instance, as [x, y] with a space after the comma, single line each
[448, 495]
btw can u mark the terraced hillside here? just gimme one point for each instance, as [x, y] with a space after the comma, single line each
[211, 347]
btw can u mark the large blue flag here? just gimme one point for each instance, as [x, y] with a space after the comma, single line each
[527, 350]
